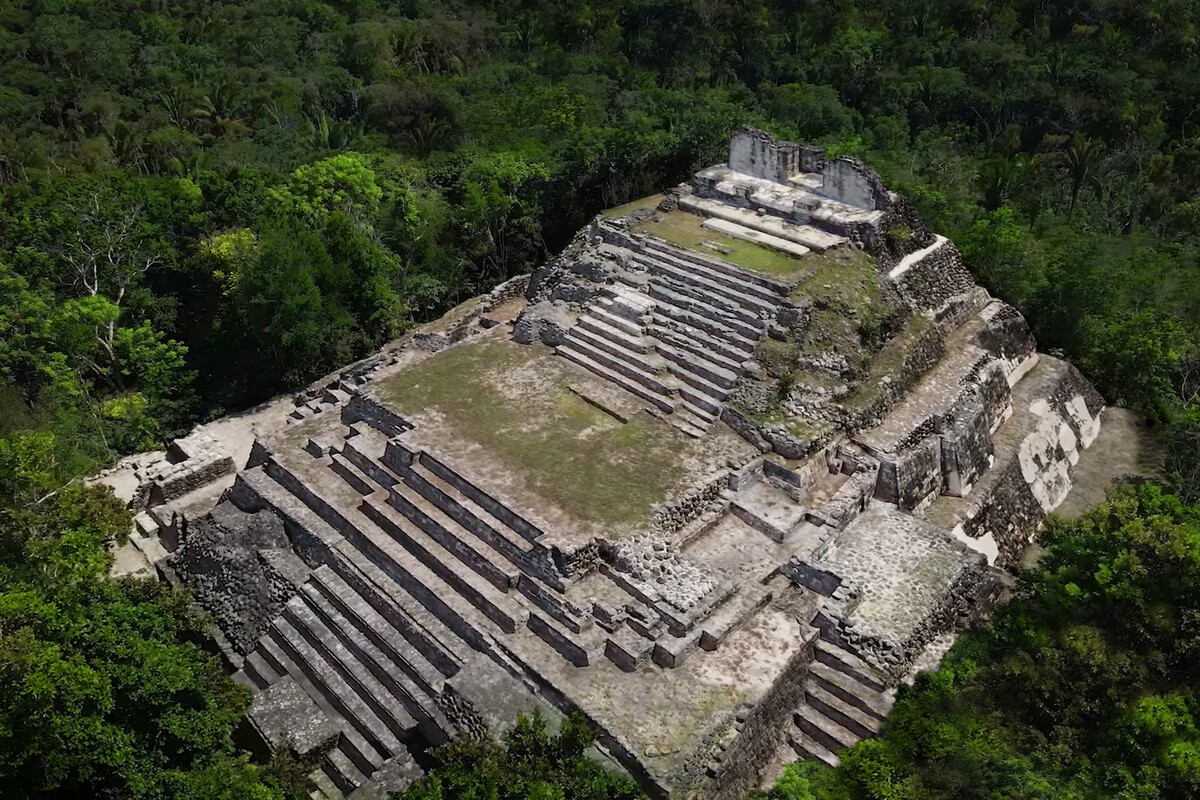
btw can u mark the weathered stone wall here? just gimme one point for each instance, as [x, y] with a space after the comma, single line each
[852, 182]
[934, 279]
[761, 731]
[758, 153]
[375, 414]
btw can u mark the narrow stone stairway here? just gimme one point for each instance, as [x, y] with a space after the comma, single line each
[845, 701]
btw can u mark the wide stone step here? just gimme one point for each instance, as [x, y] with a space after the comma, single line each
[752, 282]
[475, 522]
[806, 235]
[371, 566]
[404, 578]
[701, 399]
[324, 786]
[593, 323]
[341, 695]
[657, 399]
[350, 662]
[732, 614]
[342, 770]
[364, 755]
[453, 537]
[461, 506]
[689, 422]
[601, 312]
[706, 418]
[427, 660]
[807, 747]
[476, 591]
[259, 671]
[388, 667]
[348, 472]
[850, 690]
[716, 383]
[824, 730]
[831, 655]
[747, 315]
[761, 302]
[636, 359]
[742, 233]
[662, 265]
[499, 510]
[701, 345]
[642, 371]
[750, 329]
[734, 340]
[835, 708]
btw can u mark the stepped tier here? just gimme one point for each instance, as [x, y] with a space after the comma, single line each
[717, 477]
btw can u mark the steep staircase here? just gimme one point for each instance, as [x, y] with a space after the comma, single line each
[845, 701]
[679, 336]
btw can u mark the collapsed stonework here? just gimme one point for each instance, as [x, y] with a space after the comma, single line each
[716, 476]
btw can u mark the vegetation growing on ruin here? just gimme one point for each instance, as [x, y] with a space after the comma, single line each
[107, 691]
[530, 764]
[204, 205]
[1083, 686]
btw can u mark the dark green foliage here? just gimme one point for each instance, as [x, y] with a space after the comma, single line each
[530, 764]
[1084, 686]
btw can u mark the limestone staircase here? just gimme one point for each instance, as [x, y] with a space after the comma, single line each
[677, 335]
[845, 701]
[377, 679]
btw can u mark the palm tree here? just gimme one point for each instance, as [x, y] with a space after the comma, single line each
[1084, 159]
[428, 133]
[218, 109]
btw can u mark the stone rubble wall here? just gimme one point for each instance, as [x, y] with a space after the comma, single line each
[933, 280]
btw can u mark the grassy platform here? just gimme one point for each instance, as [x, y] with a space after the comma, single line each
[514, 400]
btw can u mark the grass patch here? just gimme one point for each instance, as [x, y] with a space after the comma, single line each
[513, 400]
[650, 202]
[842, 278]
[891, 362]
[683, 229]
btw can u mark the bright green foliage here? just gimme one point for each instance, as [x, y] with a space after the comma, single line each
[339, 183]
[1083, 687]
[530, 764]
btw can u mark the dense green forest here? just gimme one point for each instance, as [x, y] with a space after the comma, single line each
[203, 204]
[1085, 686]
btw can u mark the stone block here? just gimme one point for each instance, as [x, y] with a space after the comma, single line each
[287, 718]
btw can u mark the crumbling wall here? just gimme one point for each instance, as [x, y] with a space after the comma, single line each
[758, 153]
[852, 182]
[936, 277]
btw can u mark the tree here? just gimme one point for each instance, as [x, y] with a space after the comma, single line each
[105, 695]
[529, 764]
[1084, 160]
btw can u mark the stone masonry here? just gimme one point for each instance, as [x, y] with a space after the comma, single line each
[716, 477]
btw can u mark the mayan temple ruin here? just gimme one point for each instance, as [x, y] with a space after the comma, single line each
[719, 476]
